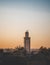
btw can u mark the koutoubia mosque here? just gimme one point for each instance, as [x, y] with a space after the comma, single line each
[27, 42]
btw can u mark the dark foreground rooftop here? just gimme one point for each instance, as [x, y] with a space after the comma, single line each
[25, 60]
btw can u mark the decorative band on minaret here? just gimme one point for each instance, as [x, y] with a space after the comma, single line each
[27, 42]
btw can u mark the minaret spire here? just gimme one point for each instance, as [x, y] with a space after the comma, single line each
[27, 41]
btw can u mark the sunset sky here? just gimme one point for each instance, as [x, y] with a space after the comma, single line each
[17, 16]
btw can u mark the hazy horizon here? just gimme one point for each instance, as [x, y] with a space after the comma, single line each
[17, 16]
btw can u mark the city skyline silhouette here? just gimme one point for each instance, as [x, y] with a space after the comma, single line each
[24, 32]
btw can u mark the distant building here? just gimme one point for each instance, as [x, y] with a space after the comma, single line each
[27, 42]
[8, 50]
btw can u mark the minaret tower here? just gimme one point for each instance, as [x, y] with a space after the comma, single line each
[27, 42]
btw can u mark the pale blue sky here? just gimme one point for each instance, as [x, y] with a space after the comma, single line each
[17, 16]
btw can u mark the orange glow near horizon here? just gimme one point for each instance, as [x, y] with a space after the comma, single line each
[36, 41]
